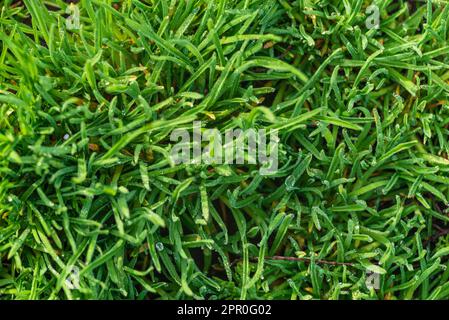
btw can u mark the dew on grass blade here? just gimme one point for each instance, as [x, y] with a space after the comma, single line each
[159, 246]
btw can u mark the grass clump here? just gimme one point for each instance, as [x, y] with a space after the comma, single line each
[87, 183]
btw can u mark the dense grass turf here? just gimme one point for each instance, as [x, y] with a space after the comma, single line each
[86, 182]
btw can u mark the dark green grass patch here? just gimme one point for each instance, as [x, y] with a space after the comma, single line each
[87, 188]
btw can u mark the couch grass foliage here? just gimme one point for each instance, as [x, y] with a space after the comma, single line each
[86, 182]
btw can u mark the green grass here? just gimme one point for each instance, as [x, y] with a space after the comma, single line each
[85, 175]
